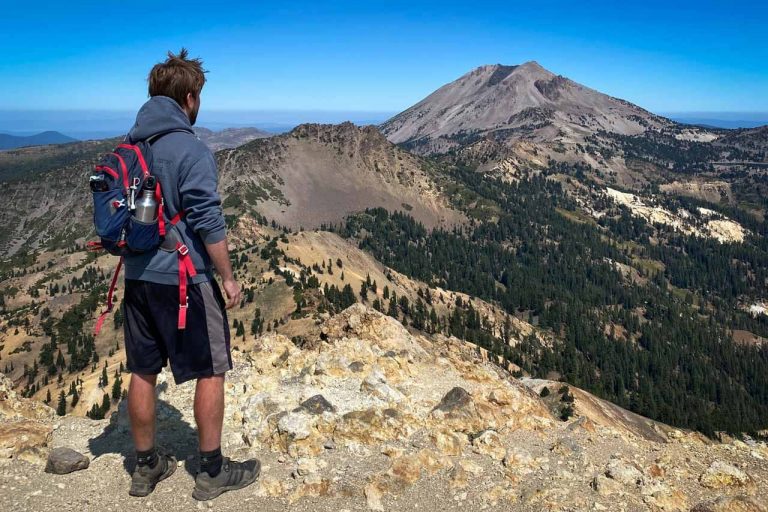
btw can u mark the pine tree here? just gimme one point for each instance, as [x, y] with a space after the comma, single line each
[117, 388]
[61, 409]
[118, 319]
[105, 404]
[392, 310]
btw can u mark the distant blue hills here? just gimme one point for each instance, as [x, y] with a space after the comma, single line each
[720, 123]
[729, 120]
[8, 141]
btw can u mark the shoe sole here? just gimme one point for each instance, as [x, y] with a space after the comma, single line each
[202, 495]
[142, 493]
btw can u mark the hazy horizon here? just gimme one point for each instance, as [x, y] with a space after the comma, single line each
[90, 123]
[94, 124]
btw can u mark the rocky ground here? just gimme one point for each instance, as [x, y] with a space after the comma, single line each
[367, 416]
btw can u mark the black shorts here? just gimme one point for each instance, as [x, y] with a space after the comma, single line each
[152, 336]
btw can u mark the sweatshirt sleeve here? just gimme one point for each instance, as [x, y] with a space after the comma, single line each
[200, 200]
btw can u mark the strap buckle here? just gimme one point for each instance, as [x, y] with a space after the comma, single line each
[183, 249]
[186, 303]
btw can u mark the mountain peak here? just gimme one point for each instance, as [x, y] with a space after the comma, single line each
[521, 101]
[498, 73]
[530, 64]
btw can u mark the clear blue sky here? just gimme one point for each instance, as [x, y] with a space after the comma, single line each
[382, 56]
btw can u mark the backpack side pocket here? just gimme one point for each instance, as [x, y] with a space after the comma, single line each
[110, 212]
[142, 237]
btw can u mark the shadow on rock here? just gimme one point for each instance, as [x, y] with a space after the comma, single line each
[174, 433]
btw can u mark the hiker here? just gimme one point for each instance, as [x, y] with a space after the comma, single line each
[163, 321]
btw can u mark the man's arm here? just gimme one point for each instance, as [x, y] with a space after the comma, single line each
[202, 207]
[219, 253]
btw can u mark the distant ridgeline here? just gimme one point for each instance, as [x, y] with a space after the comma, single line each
[17, 141]
[658, 343]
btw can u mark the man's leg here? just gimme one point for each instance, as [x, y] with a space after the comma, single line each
[209, 411]
[217, 473]
[152, 465]
[208, 332]
[141, 410]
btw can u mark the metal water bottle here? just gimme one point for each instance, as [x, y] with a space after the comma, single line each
[146, 206]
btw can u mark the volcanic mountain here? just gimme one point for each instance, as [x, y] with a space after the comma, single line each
[514, 102]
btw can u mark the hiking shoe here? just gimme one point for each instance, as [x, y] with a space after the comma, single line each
[144, 478]
[233, 476]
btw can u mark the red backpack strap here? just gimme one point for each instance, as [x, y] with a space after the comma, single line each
[186, 268]
[139, 156]
[110, 294]
[124, 168]
[176, 218]
[160, 209]
[94, 246]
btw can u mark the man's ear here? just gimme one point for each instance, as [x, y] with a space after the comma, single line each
[190, 101]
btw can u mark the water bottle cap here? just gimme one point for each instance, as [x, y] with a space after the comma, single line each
[149, 182]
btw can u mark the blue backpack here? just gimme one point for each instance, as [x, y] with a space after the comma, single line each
[118, 181]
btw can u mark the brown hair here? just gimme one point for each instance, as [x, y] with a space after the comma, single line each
[176, 77]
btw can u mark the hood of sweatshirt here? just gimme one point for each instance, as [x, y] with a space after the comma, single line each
[160, 114]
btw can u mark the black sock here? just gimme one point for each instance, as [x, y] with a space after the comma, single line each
[211, 462]
[147, 458]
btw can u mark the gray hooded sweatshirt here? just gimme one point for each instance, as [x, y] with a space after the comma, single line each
[187, 173]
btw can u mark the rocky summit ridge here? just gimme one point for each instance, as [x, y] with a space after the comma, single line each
[369, 415]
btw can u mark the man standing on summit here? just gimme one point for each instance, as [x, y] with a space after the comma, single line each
[200, 350]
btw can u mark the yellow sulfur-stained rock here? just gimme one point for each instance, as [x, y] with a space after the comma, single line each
[26, 426]
[25, 439]
[374, 426]
[721, 475]
[449, 443]
[273, 487]
[313, 486]
[489, 443]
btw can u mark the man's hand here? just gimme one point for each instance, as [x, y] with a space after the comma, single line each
[232, 289]
[220, 257]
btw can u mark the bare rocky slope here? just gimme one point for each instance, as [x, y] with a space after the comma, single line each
[321, 173]
[512, 103]
[368, 415]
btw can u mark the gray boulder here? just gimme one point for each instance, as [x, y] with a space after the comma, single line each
[65, 460]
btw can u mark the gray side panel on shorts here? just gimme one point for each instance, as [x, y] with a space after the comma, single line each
[214, 320]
